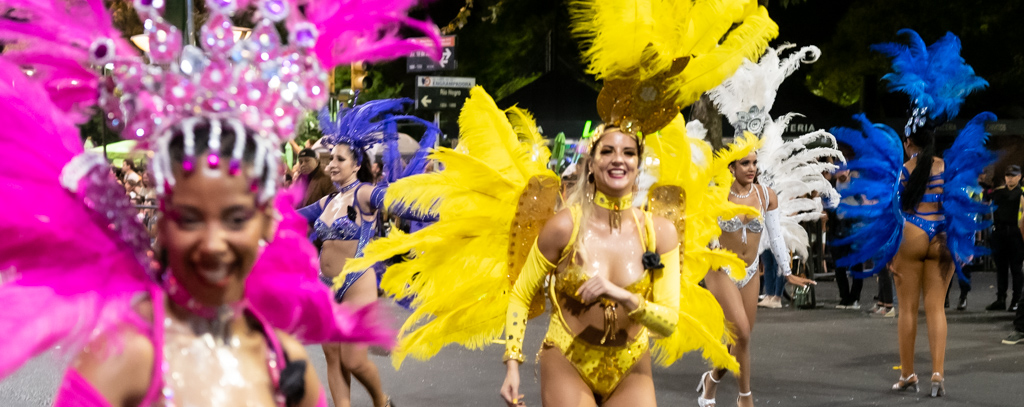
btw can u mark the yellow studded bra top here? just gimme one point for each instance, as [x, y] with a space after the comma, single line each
[601, 366]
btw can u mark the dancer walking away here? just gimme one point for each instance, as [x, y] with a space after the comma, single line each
[926, 225]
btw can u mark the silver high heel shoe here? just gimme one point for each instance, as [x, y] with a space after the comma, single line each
[701, 401]
[906, 383]
[938, 386]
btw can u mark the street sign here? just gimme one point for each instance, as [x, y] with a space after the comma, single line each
[420, 62]
[442, 92]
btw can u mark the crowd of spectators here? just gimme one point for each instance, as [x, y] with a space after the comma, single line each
[138, 185]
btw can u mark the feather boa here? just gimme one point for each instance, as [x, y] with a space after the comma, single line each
[682, 163]
[624, 37]
[757, 84]
[367, 30]
[465, 255]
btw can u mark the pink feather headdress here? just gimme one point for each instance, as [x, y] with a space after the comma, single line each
[74, 255]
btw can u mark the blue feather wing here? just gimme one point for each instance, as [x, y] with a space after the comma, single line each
[878, 223]
[419, 161]
[964, 161]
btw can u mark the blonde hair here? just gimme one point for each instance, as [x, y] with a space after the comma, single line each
[582, 195]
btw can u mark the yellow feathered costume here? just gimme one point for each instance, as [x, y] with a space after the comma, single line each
[658, 56]
[495, 194]
[492, 198]
[686, 194]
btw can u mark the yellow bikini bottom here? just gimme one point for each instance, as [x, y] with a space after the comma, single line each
[601, 367]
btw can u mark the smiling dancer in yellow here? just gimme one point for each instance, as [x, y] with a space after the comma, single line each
[613, 271]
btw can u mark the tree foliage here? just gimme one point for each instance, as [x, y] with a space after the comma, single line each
[990, 32]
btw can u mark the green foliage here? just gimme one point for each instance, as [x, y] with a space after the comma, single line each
[96, 129]
[988, 32]
[513, 85]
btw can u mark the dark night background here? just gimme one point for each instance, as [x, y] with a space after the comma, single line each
[521, 52]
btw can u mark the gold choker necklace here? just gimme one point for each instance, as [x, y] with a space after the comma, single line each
[615, 206]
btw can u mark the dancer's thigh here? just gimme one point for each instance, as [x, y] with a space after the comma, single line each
[637, 388]
[560, 383]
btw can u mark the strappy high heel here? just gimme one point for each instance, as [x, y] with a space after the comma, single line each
[938, 386]
[701, 401]
[906, 383]
[747, 394]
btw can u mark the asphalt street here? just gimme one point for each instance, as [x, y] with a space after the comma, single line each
[820, 357]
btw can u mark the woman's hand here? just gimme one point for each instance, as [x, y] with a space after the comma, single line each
[599, 287]
[799, 281]
[510, 388]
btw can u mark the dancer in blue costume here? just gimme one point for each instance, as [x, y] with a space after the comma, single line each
[347, 220]
[923, 218]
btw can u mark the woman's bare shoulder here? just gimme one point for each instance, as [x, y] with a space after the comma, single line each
[555, 235]
[666, 235]
[118, 365]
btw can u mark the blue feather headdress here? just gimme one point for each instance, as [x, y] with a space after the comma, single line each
[362, 126]
[936, 78]
[376, 122]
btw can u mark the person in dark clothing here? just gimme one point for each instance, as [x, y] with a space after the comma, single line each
[318, 184]
[1006, 242]
[837, 228]
[849, 294]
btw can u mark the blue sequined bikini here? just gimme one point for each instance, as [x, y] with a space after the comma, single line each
[342, 228]
[931, 227]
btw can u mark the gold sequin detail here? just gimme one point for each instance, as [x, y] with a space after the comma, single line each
[569, 281]
[669, 202]
[536, 205]
[601, 367]
[639, 104]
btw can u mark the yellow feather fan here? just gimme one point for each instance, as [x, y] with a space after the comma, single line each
[639, 40]
[492, 198]
[684, 194]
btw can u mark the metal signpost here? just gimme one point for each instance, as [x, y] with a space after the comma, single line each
[442, 92]
[420, 62]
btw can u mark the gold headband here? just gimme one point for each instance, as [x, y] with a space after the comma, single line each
[603, 129]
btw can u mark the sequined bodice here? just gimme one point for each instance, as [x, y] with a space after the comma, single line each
[569, 281]
[754, 225]
[206, 369]
[342, 228]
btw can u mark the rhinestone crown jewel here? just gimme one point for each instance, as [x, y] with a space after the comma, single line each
[261, 80]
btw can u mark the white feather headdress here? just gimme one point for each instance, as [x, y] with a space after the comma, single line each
[746, 98]
[794, 170]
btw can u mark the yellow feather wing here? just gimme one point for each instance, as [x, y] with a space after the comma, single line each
[491, 198]
[682, 172]
[638, 40]
[709, 68]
